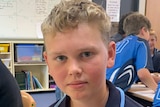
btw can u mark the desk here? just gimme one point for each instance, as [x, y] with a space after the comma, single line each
[141, 91]
[141, 94]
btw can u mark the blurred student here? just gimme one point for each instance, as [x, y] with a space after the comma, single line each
[76, 36]
[9, 90]
[155, 53]
[121, 33]
[152, 42]
[133, 60]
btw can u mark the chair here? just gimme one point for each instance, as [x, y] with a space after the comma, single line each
[27, 100]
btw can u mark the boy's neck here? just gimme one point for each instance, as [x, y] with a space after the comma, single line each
[99, 100]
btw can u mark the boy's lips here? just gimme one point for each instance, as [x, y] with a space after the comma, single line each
[77, 84]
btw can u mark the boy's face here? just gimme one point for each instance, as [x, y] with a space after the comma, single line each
[77, 60]
[152, 42]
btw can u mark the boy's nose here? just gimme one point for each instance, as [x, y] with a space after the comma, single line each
[74, 68]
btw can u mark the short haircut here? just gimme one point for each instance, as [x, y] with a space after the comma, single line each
[120, 24]
[68, 14]
[135, 22]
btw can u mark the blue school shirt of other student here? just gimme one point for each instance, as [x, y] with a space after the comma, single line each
[132, 54]
[156, 99]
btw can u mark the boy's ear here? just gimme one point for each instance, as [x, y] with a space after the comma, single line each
[45, 56]
[46, 59]
[111, 54]
[144, 33]
[143, 30]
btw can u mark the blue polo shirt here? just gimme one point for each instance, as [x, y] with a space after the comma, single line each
[132, 54]
[114, 99]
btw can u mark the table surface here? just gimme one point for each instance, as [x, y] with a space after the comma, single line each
[141, 91]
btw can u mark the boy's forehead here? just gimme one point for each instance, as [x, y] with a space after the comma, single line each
[80, 27]
[75, 36]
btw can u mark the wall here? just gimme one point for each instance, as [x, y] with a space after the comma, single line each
[22, 18]
[153, 13]
[126, 6]
[142, 6]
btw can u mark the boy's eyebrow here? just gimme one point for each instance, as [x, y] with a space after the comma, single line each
[55, 52]
[87, 48]
[63, 52]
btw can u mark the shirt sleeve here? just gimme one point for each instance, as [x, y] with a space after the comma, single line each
[143, 56]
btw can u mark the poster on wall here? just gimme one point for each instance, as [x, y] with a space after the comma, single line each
[113, 9]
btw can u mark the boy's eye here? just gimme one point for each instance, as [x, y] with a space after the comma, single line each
[86, 54]
[61, 58]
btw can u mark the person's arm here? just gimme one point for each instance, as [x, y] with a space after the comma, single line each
[156, 77]
[146, 78]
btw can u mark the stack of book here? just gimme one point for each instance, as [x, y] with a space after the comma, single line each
[52, 83]
[27, 81]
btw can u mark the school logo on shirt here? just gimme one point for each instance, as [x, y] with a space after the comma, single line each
[124, 77]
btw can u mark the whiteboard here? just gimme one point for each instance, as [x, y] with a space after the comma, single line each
[22, 18]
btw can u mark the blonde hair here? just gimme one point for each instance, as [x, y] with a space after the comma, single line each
[69, 14]
[153, 33]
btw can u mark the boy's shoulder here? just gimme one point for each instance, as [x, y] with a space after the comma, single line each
[132, 39]
[117, 97]
[127, 41]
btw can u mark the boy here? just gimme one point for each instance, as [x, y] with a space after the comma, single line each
[155, 53]
[133, 59]
[76, 36]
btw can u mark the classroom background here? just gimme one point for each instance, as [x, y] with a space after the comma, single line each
[20, 28]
